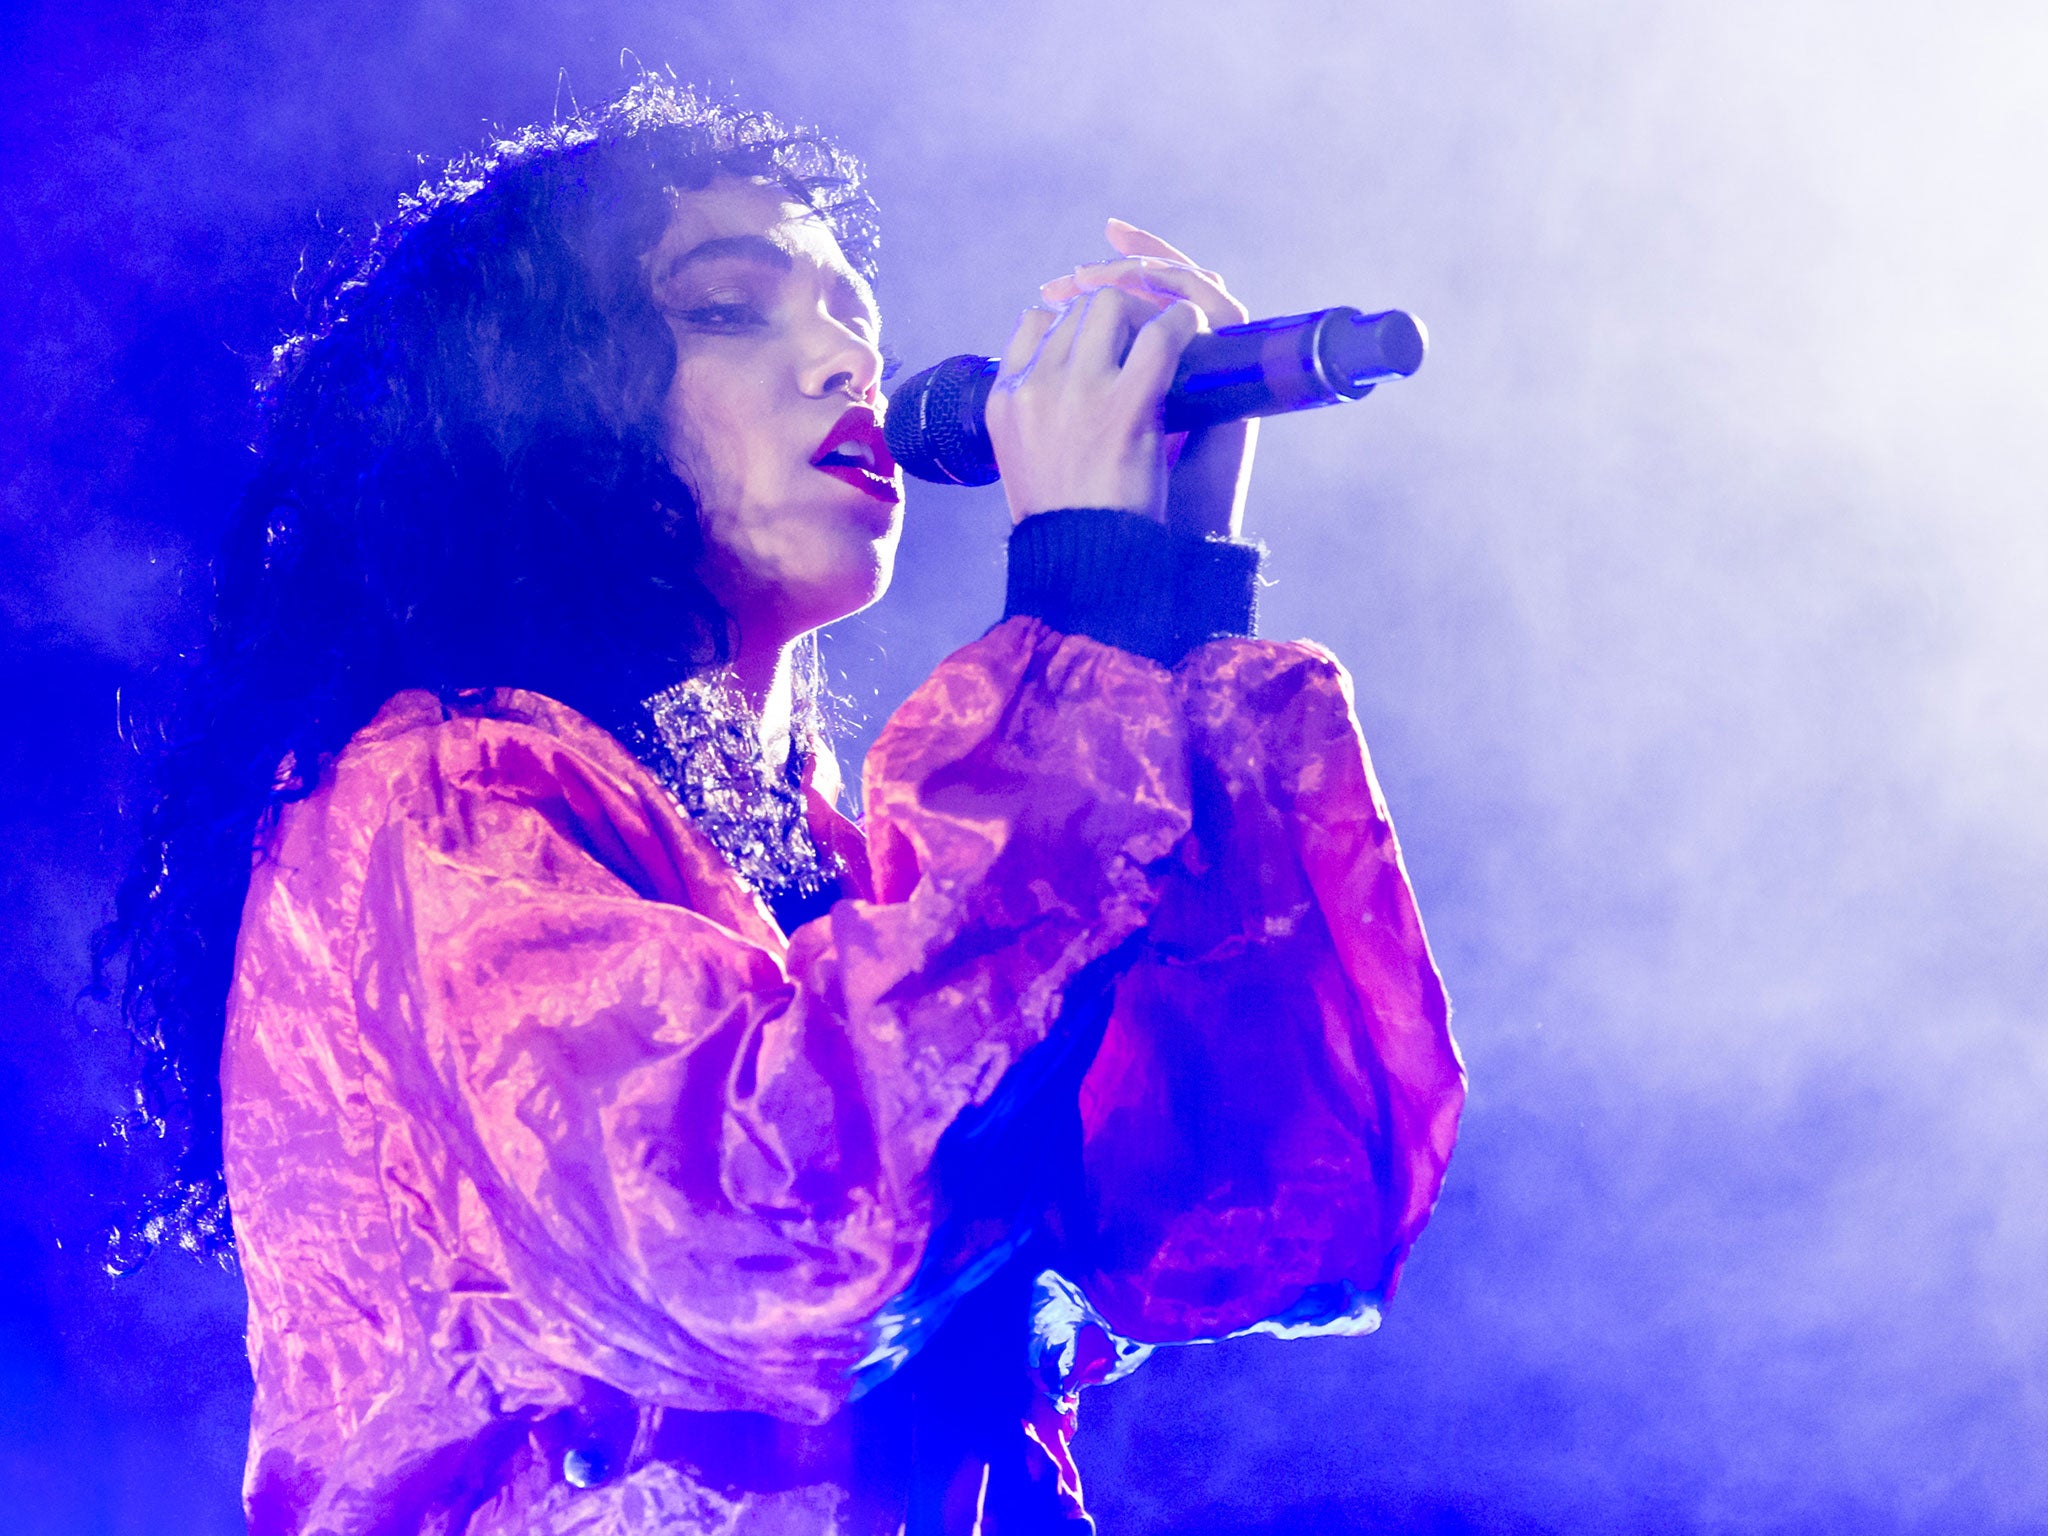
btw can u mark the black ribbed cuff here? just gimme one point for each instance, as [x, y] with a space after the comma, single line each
[1130, 582]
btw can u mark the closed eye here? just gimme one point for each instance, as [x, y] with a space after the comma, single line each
[721, 316]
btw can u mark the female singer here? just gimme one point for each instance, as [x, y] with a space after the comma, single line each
[617, 1137]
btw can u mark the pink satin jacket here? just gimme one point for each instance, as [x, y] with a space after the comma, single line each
[574, 1196]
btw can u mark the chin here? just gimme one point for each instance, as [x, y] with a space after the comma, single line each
[866, 593]
[851, 584]
[866, 566]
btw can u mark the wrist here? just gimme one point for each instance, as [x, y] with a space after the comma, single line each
[1133, 495]
[1130, 582]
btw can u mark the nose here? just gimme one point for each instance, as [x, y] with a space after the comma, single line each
[841, 361]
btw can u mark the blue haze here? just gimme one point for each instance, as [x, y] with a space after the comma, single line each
[1694, 592]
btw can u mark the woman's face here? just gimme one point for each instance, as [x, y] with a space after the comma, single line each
[773, 417]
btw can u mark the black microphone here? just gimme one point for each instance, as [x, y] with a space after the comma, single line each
[937, 429]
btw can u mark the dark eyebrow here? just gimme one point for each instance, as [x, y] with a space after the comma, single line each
[761, 249]
[747, 247]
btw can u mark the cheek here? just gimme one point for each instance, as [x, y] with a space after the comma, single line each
[706, 439]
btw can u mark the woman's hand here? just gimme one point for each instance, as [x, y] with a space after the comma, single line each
[1074, 414]
[1073, 428]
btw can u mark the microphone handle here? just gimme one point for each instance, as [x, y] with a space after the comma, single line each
[1291, 363]
[937, 424]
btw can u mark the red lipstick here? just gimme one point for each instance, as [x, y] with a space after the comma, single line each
[854, 451]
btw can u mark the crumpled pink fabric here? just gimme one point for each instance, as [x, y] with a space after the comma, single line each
[544, 1143]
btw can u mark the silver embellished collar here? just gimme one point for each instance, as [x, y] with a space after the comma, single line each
[703, 742]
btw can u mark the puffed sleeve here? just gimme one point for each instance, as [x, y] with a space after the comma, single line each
[650, 1143]
[1267, 1122]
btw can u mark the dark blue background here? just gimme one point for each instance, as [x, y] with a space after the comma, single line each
[1692, 590]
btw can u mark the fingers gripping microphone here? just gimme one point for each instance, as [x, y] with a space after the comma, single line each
[936, 423]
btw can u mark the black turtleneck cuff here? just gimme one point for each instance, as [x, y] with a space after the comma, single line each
[1130, 582]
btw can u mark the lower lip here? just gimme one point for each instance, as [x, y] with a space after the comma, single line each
[861, 480]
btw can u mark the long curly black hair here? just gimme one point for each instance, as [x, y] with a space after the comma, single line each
[459, 486]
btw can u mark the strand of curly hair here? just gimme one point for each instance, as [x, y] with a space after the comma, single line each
[459, 485]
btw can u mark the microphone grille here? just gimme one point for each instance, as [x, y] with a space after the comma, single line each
[934, 425]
